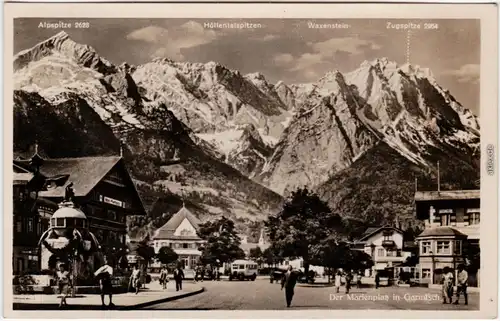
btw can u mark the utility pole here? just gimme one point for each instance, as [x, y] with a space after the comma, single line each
[438, 178]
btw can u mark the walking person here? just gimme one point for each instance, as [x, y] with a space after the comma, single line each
[164, 277]
[135, 279]
[338, 280]
[63, 282]
[348, 280]
[377, 280]
[358, 280]
[104, 274]
[462, 279]
[178, 276]
[288, 282]
[196, 273]
[447, 289]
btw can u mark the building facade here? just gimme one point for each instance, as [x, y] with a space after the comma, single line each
[385, 246]
[452, 221]
[31, 215]
[181, 234]
[100, 186]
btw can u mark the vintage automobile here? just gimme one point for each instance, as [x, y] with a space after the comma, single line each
[243, 270]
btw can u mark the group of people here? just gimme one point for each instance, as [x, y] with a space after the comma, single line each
[350, 278]
[201, 272]
[178, 275]
[448, 281]
[104, 276]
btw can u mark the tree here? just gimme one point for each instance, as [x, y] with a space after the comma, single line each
[222, 243]
[335, 254]
[304, 222]
[271, 256]
[146, 252]
[256, 255]
[166, 255]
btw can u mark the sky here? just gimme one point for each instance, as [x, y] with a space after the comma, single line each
[282, 49]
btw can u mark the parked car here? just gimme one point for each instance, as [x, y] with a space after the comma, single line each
[243, 270]
[276, 274]
[302, 277]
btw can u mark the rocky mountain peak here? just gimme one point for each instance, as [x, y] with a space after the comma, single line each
[62, 44]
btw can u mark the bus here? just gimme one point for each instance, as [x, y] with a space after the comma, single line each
[243, 270]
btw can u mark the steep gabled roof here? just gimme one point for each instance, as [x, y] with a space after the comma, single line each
[168, 229]
[84, 172]
[374, 230]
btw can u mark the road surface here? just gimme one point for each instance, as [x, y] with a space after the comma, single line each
[262, 295]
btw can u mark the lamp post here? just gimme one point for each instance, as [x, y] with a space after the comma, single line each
[432, 267]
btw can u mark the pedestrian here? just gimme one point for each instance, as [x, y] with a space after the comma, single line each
[462, 279]
[377, 280]
[348, 280]
[135, 279]
[63, 282]
[338, 280]
[202, 273]
[447, 289]
[164, 277]
[358, 280]
[104, 274]
[196, 273]
[288, 282]
[178, 276]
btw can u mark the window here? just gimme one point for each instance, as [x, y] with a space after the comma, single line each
[380, 252]
[235, 266]
[79, 222]
[387, 237]
[425, 247]
[186, 232]
[70, 222]
[426, 273]
[39, 227]
[391, 253]
[443, 247]
[60, 222]
[457, 249]
[301, 263]
[473, 218]
[30, 225]
[185, 245]
[287, 262]
[111, 215]
[19, 226]
[241, 267]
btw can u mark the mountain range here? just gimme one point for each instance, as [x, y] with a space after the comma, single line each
[236, 145]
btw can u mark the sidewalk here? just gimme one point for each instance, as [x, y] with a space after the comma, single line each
[152, 294]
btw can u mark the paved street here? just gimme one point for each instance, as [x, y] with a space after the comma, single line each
[262, 295]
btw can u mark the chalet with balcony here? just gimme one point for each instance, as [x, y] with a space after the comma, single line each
[181, 234]
[102, 188]
[451, 227]
[385, 246]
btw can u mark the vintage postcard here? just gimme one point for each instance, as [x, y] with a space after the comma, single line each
[250, 160]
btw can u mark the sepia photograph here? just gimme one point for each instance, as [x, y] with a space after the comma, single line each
[198, 164]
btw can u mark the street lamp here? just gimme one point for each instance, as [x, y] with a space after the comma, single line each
[433, 266]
